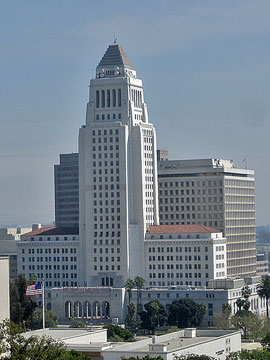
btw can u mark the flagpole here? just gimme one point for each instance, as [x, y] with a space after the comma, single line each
[43, 306]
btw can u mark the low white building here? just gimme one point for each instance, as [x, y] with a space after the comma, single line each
[4, 294]
[215, 343]
[50, 253]
[184, 255]
[94, 343]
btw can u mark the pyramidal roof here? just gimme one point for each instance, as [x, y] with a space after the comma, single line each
[115, 56]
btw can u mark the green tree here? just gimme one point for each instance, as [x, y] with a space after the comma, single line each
[131, 323]
[14, 346]
[139, 283]
[222, 320]
[248, 322]
[249, 355]
[246, 292]
[77, 324]
[153, 316]
[32, 280]
[186, 313]
[266, 342]
[117, 333]
[21, 306]
[240, 303]
[193, 357]
[51, 319]
[263, 290]
[129, 285]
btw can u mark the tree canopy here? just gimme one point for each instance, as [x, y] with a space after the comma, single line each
[153, 316]
[51, 319]
[186, 313]
[21, 306]
[117, 333]
[263, 290]
[257, 354]
[14, 346]
[129, 285]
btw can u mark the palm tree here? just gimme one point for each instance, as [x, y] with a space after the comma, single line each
[263, 290]
[139, 283]
[154, 308]
[129, 285]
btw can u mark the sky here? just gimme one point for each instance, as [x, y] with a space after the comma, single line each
[204, 66]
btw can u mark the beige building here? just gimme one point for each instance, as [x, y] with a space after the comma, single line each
[50, 254]
[213, 193]
[188, 255]
[4, 284]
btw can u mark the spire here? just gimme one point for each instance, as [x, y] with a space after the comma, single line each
[115, 56]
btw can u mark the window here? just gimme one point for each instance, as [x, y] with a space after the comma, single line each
[102, 98]
[108, 98]
[119, 97]
[114, 98]
[97, 99]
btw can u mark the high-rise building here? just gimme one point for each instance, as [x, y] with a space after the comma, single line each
[66, 191]
[117, 172]
[213, 193]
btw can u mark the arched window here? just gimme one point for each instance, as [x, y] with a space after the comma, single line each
[105, 309]
[97, 98]
[68, 309]
[114, 97]
[87, 309]
[119, 97]
[102, 98]
[77, 309]
[108, 98]
[96, 309]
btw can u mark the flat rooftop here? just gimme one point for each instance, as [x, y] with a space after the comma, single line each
[180, 342]
[205, 166]
[61, 333]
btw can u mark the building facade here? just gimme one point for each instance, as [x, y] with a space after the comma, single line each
[213, 193]
[184, 255]
[66, 191]
[98, 304]
[118, 176]
[51, 254]
[8, 246]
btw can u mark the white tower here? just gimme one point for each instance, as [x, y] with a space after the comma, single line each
[118, 174]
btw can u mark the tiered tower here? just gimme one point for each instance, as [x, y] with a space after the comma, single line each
[118, 174]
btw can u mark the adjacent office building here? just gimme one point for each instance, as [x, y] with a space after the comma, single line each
[184, 255]
[213, 193]
[118, 174]
[50, 254]
[9, 236]
[66, 191]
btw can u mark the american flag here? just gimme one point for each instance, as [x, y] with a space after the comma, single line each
[35, 289]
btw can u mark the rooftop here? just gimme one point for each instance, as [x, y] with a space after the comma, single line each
[53, 231]
[115, 56]
[180, 229]
[60, 333]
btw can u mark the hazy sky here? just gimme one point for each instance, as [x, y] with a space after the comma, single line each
[205, 69]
